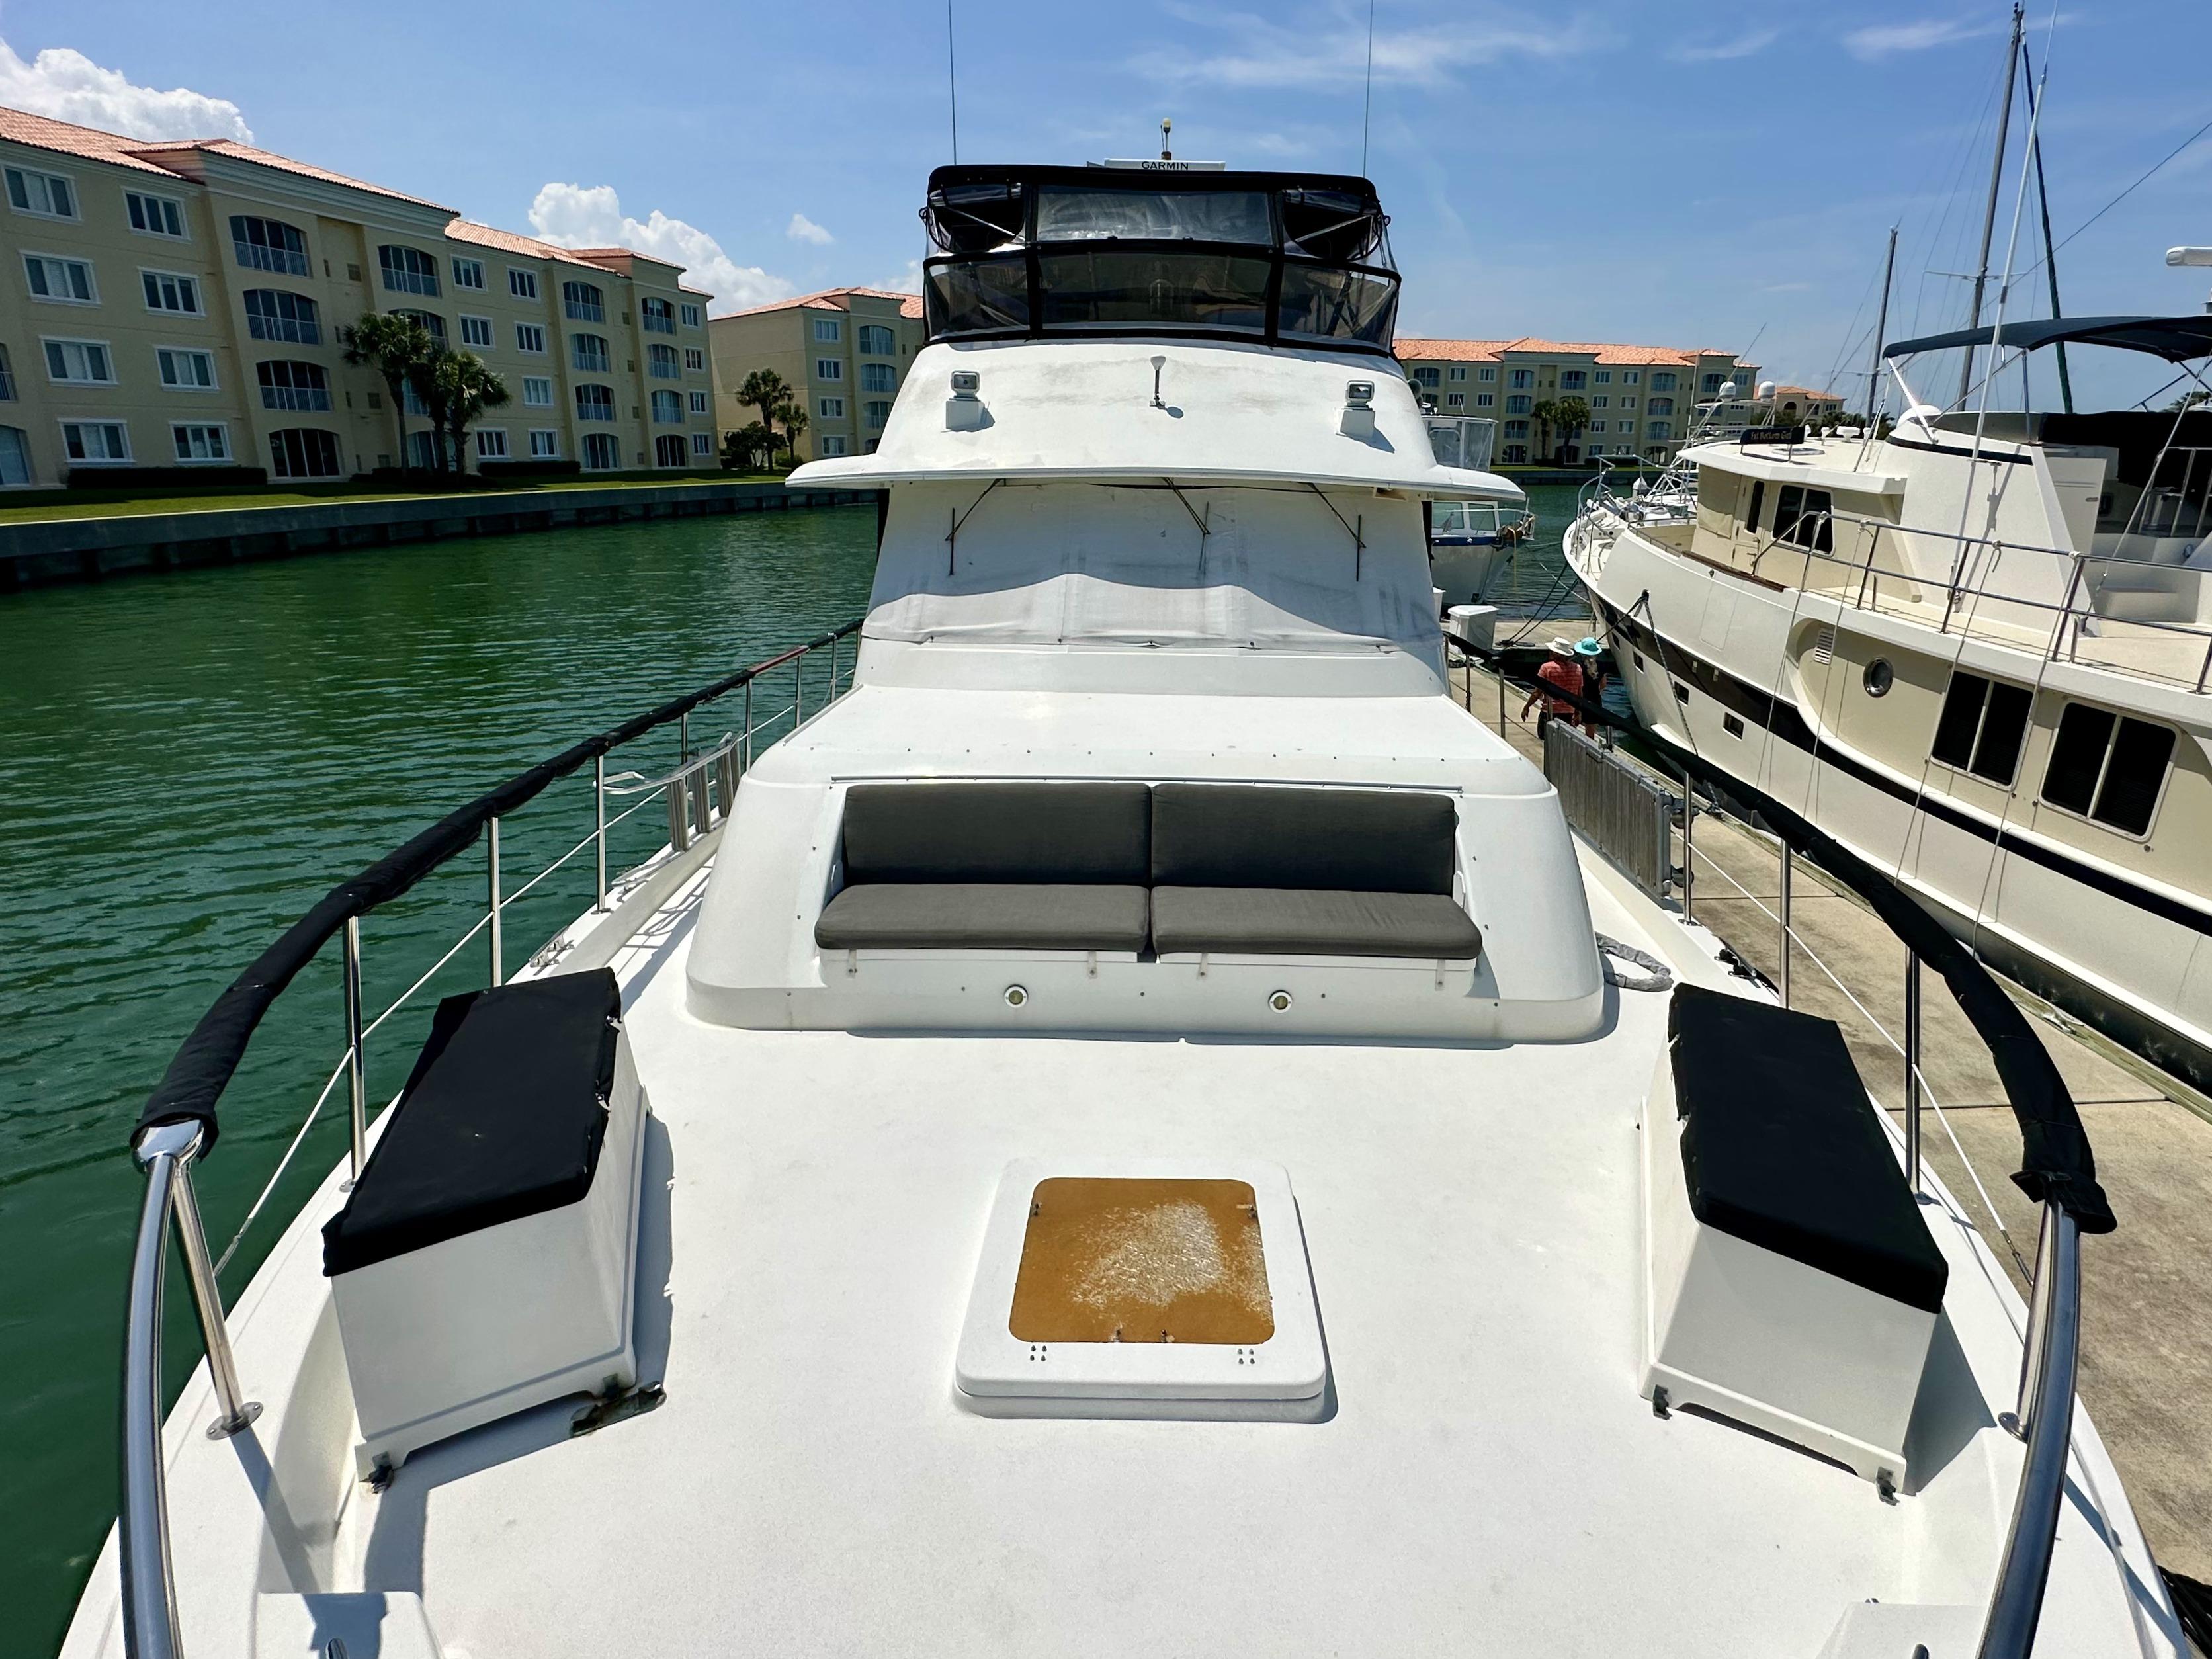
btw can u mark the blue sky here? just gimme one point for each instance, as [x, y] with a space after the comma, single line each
[1685, 173]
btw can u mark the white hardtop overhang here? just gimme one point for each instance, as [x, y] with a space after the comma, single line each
[1225, 413]
[1781, 463]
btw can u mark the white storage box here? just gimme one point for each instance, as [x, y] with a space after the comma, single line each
[1791, 1283]
[486, 1261]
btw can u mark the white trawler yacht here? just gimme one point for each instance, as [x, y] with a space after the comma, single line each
[1118, 1130]
[1976, 651]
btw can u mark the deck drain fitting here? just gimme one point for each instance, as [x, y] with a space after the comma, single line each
[1017, 995]
[1280, 1001]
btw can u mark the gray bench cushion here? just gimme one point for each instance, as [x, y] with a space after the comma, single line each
[983, 916]
[998, 832]
[1291, 921]
[1342, 840]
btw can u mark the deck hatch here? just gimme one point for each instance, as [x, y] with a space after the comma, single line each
[1126, 1260]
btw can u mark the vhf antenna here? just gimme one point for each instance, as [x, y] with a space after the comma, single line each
[1166, 127]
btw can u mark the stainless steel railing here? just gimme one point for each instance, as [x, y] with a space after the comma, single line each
[168, 1150]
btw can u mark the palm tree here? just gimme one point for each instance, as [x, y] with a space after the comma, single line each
[1545, 414]
[458, 387]
[795, 422]
[1570, 416]
[765, 390]
[395, 347]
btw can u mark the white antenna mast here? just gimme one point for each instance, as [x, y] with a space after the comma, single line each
[1367, 108]
[953, 81]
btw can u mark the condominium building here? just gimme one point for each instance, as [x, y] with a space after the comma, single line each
[843, 352]
[1642, 400]
[181, 303]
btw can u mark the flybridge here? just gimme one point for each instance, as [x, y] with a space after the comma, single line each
[1282, 258]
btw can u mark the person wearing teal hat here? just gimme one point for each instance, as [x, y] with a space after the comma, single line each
[1587, 652]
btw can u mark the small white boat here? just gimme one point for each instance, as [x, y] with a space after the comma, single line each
[1472, 546]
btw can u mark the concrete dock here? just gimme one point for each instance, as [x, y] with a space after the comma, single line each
[2147, 1331]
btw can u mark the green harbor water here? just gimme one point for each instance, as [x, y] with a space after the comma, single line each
[190, 761]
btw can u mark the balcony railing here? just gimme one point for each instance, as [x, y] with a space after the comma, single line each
[178, 1127]
[584, 310]
[653, 324]
[292, 330]
[258, 256]
[296, 397]
[401, 281]
[595, 411]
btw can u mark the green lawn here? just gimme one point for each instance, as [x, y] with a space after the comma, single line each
[47, 504]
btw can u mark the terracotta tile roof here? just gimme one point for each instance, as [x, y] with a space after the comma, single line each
[236, 151]
[1807, 391]
[1605, 352]
[1451, 351]
[508, 241]
[90, 144]
[835, 299]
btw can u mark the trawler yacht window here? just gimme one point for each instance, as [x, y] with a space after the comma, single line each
[2108, 768]
[1067, 215]
[1758, 501]
[1981, 727]
[1801, 517]
[1112, 287]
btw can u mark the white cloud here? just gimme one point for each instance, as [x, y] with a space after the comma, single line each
[1317, 52]
[804, 229]
[67, 85]
[1747, 45]
[907, 281]
[1882, 39]
[580, 216]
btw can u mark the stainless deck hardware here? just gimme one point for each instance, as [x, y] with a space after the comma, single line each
[498, 955]
[356, 1064]
[1913, 1070]
[1789, 858]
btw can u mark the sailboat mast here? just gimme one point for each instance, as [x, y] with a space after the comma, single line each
[1881, 334]
[2043, 198]
[1996, 178]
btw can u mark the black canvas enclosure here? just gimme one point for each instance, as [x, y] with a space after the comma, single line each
[1781, 1147]
[501, 1118]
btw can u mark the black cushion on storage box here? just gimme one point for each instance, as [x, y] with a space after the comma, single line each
[1782, 1149]
[1310, 839]
[998, 832]
[983, 915]
[1292, 921]
[500, 1119]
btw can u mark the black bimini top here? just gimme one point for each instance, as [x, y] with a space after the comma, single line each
[2177, 339]
[1286, 258]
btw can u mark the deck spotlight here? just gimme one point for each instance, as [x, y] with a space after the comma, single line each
[963, 410]
[1358, 418]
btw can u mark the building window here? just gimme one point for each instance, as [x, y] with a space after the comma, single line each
[582, 302]
[667, 408]
[1487, 372]
[468, 273]
[1631, 376]
[7, 378]
[1428, 375]
[156, 216]
[878, 377]
[1570, 380]
[1658, 429]
[1627, 402]
[491, 443]
[48, 194]
[1516, 403]
[661, 363]
[703, 444]
[268, 245]
[656, 316]
[79, 362]
[1801, 515]
[1713, 384]
[537, 391]
[2108, 768]
[411, 402]
[167, 291]
[1455, 400]
[587, 354]
[1522, 376]
[1660, 406]
[529, 337]
[1516, 455]
[273, 315]
[185, 370]
[408, 271]
[1485, 399]
[828, 369]
[15, 455]
[670, 449]
[293, 385]
[1981, 727]
[1457, 372]
[1517, 428]
[476, 331]
[522, 284]
[691, 317]
[96, 441]
[833, 446]
[602, 453]
[701, 404]
[1596, 426]
[432, 323]
[877, 413]
[595, 403]
[1600, 400]
[695, 360]
[827, 330]
[303, 452]
[544, 443]
[199, 441]
[68, 280]
[830, 409]
[1662, 379]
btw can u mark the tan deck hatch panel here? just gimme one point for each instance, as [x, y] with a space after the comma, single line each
[1136, 1260]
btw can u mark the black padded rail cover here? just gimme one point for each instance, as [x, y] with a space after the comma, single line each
[201, 1068]
[1364, 841]
[1781, 1148]
[2058, 1165]
[1048, 833]
[500, 1119]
